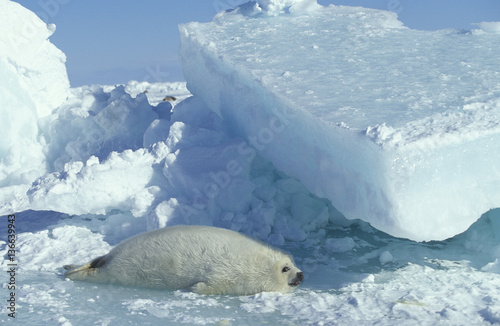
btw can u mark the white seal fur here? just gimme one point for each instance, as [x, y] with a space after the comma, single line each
[203, 259]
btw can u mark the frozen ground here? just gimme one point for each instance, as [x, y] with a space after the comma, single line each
[355, 275]
[100, 164]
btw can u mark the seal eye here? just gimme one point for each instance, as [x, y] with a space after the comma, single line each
[285, 269]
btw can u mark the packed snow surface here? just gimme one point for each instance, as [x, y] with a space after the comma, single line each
[374, 279]
[397, 127]
[288, 109]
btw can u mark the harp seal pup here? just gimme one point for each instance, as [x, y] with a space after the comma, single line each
[202, 259]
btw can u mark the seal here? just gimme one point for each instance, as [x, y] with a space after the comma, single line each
[169, 99]
[202, 259]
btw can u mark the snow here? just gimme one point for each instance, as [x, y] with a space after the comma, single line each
[129, 171]
[33, 83]
[38, 65]
[275, 7]
[397, 127]
[247, 148]
[434, 283]
[385, 257]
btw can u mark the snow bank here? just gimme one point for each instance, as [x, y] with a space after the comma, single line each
[95, 148]
[214, 178]
[95, 123]
[397, 127]
[120, 182]
[33, 83]
[91, 143]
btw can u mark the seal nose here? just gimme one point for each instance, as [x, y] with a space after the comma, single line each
[300, 276]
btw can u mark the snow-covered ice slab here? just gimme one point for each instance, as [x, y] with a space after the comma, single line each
[397, 127]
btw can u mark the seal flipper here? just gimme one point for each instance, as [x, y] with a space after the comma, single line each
[200, 288]
[205, 288]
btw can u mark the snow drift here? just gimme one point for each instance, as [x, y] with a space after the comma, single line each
[397, 127]
[33, 83]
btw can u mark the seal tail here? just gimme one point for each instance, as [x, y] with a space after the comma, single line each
[84, 272]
